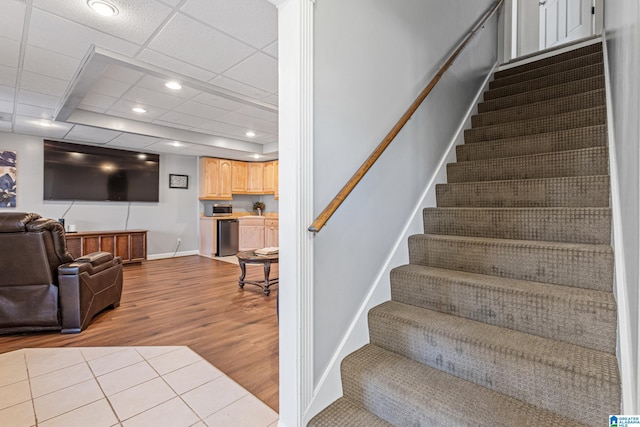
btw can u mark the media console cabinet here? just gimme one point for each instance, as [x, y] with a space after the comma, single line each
[130, 245]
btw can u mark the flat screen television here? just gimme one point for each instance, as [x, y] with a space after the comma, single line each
[84, 172]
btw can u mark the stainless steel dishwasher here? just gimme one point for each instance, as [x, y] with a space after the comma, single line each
[227, 237]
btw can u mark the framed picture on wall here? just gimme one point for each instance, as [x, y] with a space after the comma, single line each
[8, 176]
[178, 181]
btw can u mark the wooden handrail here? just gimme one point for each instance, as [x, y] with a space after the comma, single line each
[331, 208]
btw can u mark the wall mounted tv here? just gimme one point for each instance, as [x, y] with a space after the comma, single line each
[84, 172]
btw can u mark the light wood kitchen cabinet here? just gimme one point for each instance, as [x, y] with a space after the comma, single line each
[255, 178]
[276, 179]
[239, 177]
[268, 180]
[271, 230]
[251, 233]
[215, 178]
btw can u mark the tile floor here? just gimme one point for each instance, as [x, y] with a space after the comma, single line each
[122, 386]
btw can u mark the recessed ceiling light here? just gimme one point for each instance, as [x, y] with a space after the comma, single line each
[176, 144]
[139, 110]
[102, 7]
[250, 134]
[45, 124]
[173, 85]
[256, 156]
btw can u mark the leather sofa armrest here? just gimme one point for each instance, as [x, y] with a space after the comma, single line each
[91, 264]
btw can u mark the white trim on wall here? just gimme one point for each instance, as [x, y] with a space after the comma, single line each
[624, 320]
[295, 44]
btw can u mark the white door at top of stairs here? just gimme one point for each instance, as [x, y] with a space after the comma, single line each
[562, 21]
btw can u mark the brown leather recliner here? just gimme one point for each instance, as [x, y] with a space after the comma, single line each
[42, 287]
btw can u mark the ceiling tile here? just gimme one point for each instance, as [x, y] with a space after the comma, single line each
[48, 63]
[8, 75]
[253, 21]
[171, 124]
[9, 52]
[258, 113]
[259, 71]
[247, 122]
[37, 99]
[169, 146]
[82, 133]
[122, 74]
[272, 49]
[151, 98]
[12, 19]
[110, 87]
[182, 119]
[130, 140]
[34, 111]
[271, 99]
[200, 110]
[136, 20]
[222, 128]
[5, 126]
[218, 101]
[6, 107]
[43, 84]
[238, 87]
[171, 64]
[186, 39]
[171, 2]
[75, 40]
[97, 100]
[7, 93]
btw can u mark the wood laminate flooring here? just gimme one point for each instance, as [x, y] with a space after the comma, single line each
[193, 301]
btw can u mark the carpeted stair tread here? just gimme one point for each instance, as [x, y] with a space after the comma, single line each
[561, 224]
[547, 107]
[555, 68]
[546, 93]
[563, 378]
[570, 139]
[546, 81]
[579, 191]
[574, 264]
[407, 393]
[577, 316]
[582, 162]
[562, 57]
[343, 412]
[570, 120]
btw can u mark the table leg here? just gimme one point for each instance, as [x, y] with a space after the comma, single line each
[267, 270]
[243, 269]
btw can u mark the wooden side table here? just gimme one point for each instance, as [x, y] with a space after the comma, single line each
[249, 257]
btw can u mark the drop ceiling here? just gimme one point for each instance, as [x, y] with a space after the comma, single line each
[70, 74]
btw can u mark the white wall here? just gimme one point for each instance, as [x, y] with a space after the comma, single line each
[622, 18]
[175, 215]
[528, 27]
[372, 58]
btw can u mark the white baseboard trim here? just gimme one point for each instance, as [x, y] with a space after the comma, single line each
[329, 385]
[171, 255]
[624, 352]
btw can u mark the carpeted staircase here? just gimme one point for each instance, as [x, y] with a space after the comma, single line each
[505, 315]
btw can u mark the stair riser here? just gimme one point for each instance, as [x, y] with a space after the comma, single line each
[560, 67]
[552, 92]
[590, 161]
[551, 192]
[572, 120]
[580, 268]
[541, 109]
[572, 139]
[576, 53]
[505, 371]
[583, 225]
[516, 306]
[543, 82]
